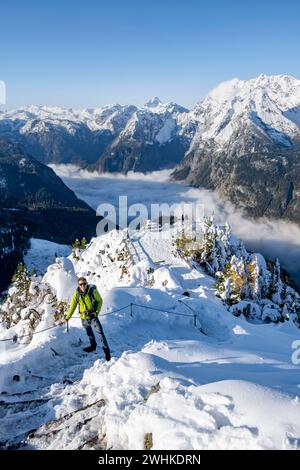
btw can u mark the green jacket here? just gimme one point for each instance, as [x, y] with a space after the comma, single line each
[89, 302]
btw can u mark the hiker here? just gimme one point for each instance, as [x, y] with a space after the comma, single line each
[90, 303]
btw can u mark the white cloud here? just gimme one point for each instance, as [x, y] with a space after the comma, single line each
[73, 171]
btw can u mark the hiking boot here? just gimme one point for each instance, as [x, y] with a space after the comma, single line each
[107, 354]
[90, 349]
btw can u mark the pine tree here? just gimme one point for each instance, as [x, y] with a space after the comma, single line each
[76, 244]
[276, 287]
[252, 282]
[242, 278]
[21, 279]
[76, 249]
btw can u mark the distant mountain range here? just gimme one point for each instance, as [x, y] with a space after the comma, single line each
[114, 138]
[243, 139]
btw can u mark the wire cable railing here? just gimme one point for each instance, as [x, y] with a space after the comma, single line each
[15, 338]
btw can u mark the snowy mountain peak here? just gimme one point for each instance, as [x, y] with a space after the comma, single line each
[263, 104]
[283, 89]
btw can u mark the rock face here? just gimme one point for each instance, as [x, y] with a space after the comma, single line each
[35, 202]
[247, 145]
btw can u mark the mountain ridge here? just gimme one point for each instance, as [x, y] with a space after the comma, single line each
[35, 202]
[247, 147]
[90, 136]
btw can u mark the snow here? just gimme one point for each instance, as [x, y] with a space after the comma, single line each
[22, 162]
[284, 90]
[42, 253]
[150, 124]
[165, 133]
[224, 384]
[36, 118]
[110, 117]
[270, 103]
[62, 278]
[293, 115]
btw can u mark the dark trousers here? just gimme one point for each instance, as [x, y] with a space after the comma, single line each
[88, 324]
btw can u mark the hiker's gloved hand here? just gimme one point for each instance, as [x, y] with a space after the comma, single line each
[93, 315]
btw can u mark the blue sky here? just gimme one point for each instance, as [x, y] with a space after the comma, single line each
[87, 53]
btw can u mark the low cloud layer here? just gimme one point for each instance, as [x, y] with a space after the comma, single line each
[273, 238]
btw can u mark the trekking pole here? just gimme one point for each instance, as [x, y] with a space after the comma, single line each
[68, 326]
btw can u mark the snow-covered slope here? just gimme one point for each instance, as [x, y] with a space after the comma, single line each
[221, 382]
